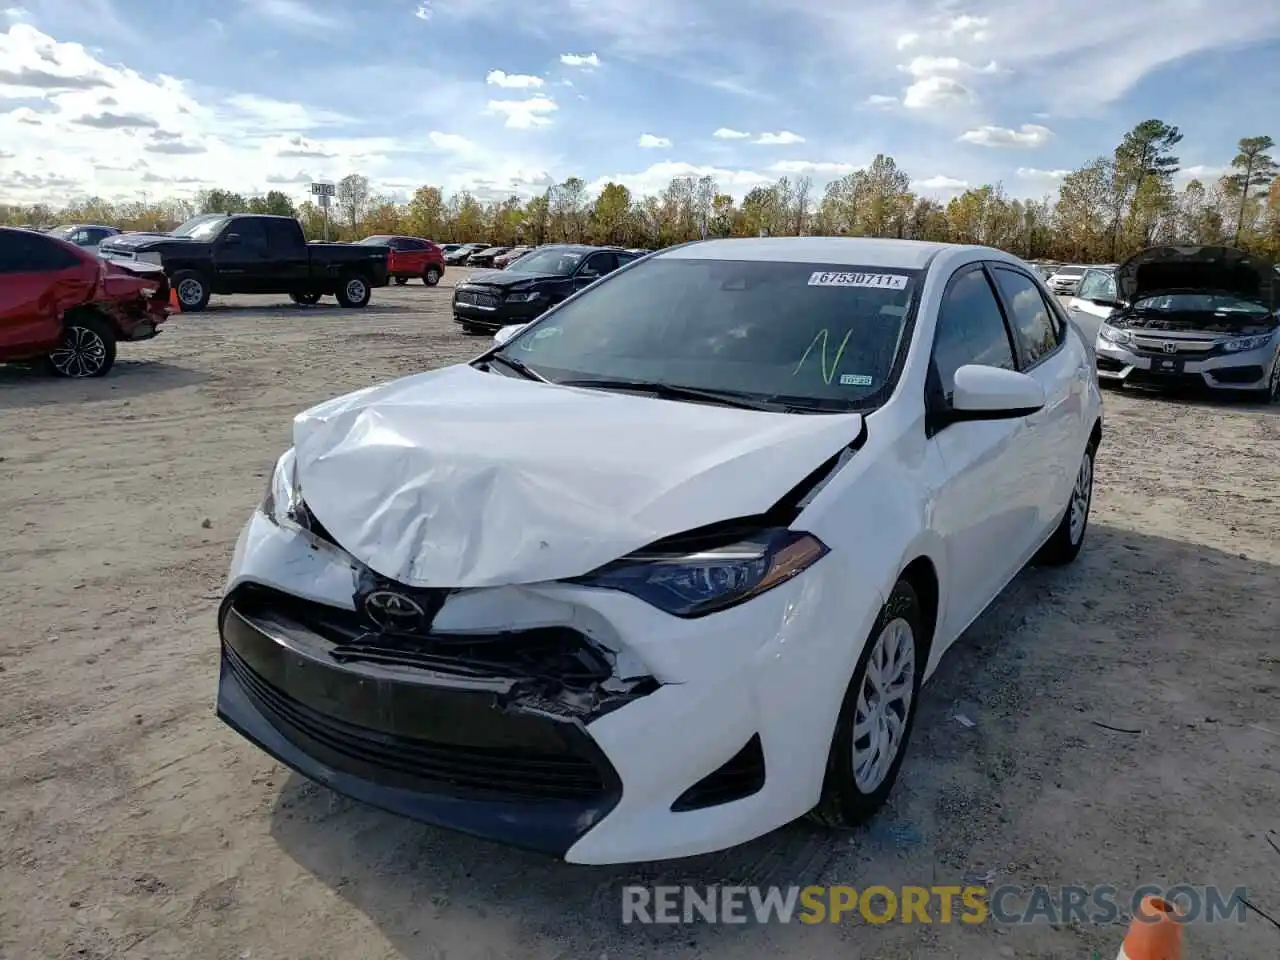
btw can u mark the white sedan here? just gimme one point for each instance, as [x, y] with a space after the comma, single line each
[664, 569]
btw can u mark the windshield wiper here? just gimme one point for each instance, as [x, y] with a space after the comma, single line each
[519, 366]
[672, 391]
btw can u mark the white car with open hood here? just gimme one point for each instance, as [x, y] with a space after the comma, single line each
[664, 569]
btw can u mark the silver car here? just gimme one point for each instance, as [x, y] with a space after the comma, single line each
[1066, 278]
[1199, 316]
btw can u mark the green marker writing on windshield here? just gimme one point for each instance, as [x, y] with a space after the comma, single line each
[827, 374]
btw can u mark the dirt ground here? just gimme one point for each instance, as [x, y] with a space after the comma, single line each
[134, 825]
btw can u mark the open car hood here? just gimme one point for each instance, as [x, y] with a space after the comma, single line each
[1190, 269]
[460, 478]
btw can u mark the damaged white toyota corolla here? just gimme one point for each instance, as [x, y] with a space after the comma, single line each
[664, 569]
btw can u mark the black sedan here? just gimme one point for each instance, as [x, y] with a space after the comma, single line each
[488, 301]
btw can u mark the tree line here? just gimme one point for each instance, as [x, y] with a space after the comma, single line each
[1106, 210]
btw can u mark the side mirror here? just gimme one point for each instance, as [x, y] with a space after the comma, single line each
[506, 333]
[231, 239]
[589, 275]
[993, 393]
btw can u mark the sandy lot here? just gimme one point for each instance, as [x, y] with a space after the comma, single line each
[134, 825]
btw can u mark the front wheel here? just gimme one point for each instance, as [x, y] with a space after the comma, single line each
[193, 291]
[354, 292]
[88, 348]
[305, 298]
[1271, 393]
[876, 716]
[1064, 546]
[431, 276]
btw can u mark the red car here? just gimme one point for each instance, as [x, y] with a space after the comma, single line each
[64, 305]
[411, 257]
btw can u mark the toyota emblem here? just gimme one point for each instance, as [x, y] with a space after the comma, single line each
[1169, 347]
[394, 612]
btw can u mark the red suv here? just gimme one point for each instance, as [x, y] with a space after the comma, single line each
[411, 257]
[62, 304]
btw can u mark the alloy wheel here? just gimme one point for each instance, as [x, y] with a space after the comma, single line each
[82, 353]
[884, 705]
[355, 290]
[1081, 497]
[190, 292]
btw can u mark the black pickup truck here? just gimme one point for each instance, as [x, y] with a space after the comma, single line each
[251, 253]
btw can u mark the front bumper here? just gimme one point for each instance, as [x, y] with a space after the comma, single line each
[738, 714]
[1248, 370]
[504, 314]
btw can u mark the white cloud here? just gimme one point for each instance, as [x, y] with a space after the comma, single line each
[1029, 135]
[513, 81]
[424, 11]
[881, 100]
[1031, 173]
[580, 60]
[943, 183]
[1202, 172]
[525, 114]
[449, 141]
[726, 133]
[932, 66]
[907, 40]
[801, 167]
[648, 141]
[779, 139]
[16, 14]
[294, 14]
[946, 31]
[657, 177]
[934, 92]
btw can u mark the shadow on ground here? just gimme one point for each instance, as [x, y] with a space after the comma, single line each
[30, 386]
[1038, 675]
[325, 308]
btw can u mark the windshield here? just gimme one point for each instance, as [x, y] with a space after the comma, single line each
[811, 335]
[62, 233]
[202, 227]
[561, 262]
[1097, 285]
[1201, 303]
[1070, 271]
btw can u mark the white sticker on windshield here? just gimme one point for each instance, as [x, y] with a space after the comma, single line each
[855, 380]
[882, 281]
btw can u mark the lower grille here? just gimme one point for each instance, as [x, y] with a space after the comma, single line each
[416, 764]
[1111, 365]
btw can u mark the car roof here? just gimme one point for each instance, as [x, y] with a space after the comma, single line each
[863, 251]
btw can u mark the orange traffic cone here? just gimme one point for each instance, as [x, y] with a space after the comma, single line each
[1155, 932]
[173, 299]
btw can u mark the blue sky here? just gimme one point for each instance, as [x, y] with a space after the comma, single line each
[123, 98]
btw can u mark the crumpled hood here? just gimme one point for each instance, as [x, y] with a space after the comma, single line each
[459, 478]
[1190, 269]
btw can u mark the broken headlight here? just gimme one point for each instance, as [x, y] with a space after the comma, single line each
[693, 584]
[1115, 334]
[283, 499]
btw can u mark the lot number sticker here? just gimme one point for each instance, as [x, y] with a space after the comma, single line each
[855, 380]
[881, 281]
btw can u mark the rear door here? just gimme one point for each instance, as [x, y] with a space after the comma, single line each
[982, 506]
[1056, 362]
[40, 279]
[290, 264]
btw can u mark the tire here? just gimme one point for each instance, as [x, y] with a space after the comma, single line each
[1065, 543]
[854, 790]
[473, 331]
[193, 291]
[431, 276]
[88, 347]
[354, 291]
[401, 281]
[305, 298]
[1271, 393]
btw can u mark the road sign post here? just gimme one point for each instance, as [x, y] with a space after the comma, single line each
[323, 192]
